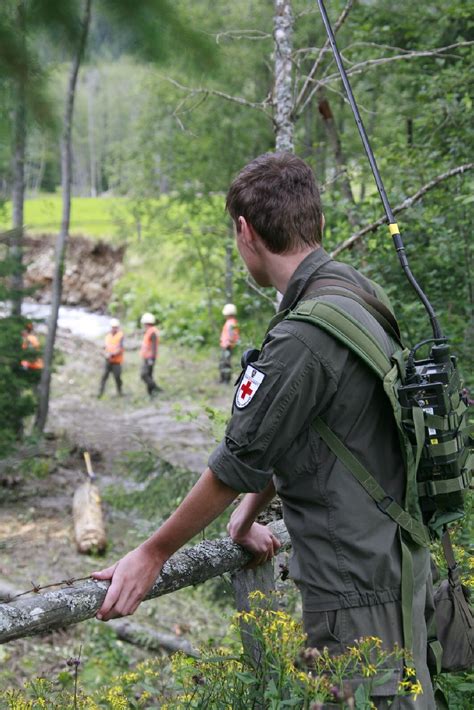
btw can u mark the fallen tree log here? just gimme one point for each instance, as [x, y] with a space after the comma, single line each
[46, 611]
[150, 639]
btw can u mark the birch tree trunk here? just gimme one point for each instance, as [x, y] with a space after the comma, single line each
[229, 267]
[91, 136]
[61, 243]
[18, 191]
[283, 90]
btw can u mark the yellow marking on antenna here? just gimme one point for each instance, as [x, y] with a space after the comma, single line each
[393, 228]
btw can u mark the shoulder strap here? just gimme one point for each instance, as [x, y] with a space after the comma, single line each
[384, 502]
[346, 329]
[373, 305]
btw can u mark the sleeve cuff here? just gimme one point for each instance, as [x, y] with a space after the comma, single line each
[235, 473]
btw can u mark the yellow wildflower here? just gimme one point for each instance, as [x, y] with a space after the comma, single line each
[416, 689]
[369, 670]
[256, 594]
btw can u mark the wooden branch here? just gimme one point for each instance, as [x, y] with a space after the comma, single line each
[416, 54]
[361, 66]
[192, 91]
[150, 639]
[46, 611]
[253, 35]
[408, 202]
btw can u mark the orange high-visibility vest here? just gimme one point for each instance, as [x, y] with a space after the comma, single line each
[146, 351]
[31, 342]
[230, 333]
[114, 346]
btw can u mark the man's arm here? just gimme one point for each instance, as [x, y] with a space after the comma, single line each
[133, 576]
[256, 538]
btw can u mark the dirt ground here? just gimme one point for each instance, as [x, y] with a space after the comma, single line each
[181, 425]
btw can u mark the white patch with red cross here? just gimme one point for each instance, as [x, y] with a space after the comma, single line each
[250, 383]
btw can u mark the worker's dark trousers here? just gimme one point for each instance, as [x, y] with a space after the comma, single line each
[225, 366]
[116, 370]
[146, 373]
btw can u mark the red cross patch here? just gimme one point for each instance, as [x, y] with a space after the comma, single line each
[248, 386]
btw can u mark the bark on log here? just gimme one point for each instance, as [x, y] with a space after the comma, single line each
[89, 528]
[44, 612]
[150, 639]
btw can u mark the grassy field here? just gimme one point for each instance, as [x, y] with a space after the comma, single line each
[93, 216]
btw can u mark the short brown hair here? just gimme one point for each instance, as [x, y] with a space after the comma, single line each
[277, 194]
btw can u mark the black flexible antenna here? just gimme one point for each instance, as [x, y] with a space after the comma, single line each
[392, 225]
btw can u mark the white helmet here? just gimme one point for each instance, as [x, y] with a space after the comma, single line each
[114, 323]
[229, 310]
[147, 319]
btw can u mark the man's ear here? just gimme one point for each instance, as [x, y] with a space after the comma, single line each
[246, 233]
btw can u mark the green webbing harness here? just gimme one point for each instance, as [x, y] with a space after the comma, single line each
[338, 323]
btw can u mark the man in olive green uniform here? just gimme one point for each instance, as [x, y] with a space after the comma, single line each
[347, 560]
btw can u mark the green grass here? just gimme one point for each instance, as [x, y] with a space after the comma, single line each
[92, 216]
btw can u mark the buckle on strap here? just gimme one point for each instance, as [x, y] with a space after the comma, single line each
[383, 504]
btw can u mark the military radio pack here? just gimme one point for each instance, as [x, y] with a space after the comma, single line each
[430, 410]
[433, 405]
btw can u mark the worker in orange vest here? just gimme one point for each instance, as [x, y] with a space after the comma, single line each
[229, 339]
[34, 364]
[113, 353]
[149, 352]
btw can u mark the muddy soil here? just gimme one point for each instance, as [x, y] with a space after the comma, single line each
[91, 270]
[36, 530]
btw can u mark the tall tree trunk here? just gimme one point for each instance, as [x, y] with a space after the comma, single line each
[335, 142]
[283, 91]
[321, 153]
[18, 191]
[308, 135]
[91, 84]
[41, 167]
[66, 173]
[229, 267]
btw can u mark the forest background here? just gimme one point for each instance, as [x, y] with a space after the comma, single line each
[172, 99]
[156, 146]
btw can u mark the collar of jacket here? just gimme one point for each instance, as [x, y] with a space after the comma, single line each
[303, 274]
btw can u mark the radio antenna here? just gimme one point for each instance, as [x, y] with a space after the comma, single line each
[392, 225]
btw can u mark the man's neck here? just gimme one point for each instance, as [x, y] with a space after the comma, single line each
[281, 267]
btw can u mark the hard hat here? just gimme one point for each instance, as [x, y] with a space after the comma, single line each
[229, 310]
[114, 323]
[147, 319]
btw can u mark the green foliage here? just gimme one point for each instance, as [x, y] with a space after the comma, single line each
[140, 688]
[458, 689]
[286, 676]
[16, 388]
[161, 487]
